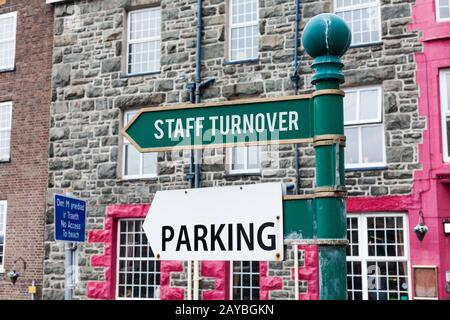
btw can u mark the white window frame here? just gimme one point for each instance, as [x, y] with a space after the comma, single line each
[150, 39]
[6, 16]
[9, 129]
[363, 256]
[246, 170]
[363, 6]
[367, 123]
[232, 26]
[444, 113]
[251, 285]
[125, 143]
[438, 17]
[118, 262]
[5, 206]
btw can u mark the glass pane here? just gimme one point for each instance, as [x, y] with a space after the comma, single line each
[129, 115]
[238, 158]
[447, 80]
[132, 160]
[244, 43]
[145, 24]
[5, 116]
[253, 157]
[350, 103]
[444, 12]
[144, 57]
[372, 144]
[134, 268]
[352, 148]
[150, 163]
[448, 135]
[369, 106]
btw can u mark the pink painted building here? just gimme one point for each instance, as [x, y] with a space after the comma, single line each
[432, 184]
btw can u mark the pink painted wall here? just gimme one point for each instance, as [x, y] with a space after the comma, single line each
[431, 192]
[429, 186]
[219, 270]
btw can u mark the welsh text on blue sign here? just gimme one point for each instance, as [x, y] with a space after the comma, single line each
[70, 219]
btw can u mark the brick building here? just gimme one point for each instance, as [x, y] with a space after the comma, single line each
[111, 58]
[26, 34]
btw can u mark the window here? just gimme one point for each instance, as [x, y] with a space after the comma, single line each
[7, 40]
[364, 128]
[243, 30]
[245, 160]
[138, 273]
[5, 130]
[363, 18]
[137, 165]
[377, 257]
[245, 280]
[2, 234]
[442, 10]
[144, 41]
[445, 111]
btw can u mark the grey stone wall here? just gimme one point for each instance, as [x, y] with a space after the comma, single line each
[90, 92]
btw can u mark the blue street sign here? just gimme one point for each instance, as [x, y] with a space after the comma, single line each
[70, 219]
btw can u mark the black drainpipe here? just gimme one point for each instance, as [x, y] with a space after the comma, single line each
[194, 91]
[295, 78]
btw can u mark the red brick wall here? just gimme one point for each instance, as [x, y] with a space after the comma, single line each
[23, 181]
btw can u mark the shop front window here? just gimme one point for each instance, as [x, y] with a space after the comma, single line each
[377, 257]
[138, 273]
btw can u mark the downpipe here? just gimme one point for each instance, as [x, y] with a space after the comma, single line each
[295, 78]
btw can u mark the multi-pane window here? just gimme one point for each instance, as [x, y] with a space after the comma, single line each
[8, 23]
[137, 165]
[245, 160]
[445, 111]
[377, 257]
[363, 18]
[144, 41]
[5, 130]
[364, 128]
[138, 273]
[2, 234]
[243, 30]
[443, 9]
[245, 280]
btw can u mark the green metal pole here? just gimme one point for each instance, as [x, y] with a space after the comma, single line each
[326, 38]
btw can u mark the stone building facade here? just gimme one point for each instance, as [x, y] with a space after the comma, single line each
[26, 34]
[91, 92]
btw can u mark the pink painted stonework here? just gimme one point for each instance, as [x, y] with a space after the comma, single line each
[309, 272]
[166, 292]
[218, 270]
[267, 283]
[106, 289]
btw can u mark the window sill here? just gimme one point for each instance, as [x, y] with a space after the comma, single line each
[5, 70]
[134, 75]
[241, 61]
[138, 179]
[242, 174]
[5, 161]
[369, 44]
[367, 169]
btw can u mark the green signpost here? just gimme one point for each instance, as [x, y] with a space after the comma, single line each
[249, 122]
[319, 218]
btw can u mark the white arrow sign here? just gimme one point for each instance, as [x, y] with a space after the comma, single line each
[223, 223]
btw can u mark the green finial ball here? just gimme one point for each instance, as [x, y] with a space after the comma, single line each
[326, 34]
